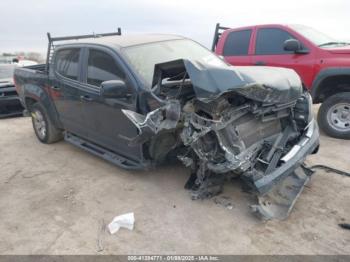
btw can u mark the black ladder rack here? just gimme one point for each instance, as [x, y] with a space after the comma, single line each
[51, 46]
[218, 32]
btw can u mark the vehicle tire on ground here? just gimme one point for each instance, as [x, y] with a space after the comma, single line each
[334, 116]
[43, 127]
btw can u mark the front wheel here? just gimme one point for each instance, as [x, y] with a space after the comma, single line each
[44, 129]
[334, 116]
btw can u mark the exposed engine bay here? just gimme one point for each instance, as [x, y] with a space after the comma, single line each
[224, 122]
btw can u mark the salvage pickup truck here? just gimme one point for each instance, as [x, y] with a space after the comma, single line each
[322, 63]
[141, 100]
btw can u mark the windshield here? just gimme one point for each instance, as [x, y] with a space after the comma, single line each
[6, 71]
[316, 37]
[144, 57]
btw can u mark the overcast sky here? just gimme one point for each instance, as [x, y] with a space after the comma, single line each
[24, 23]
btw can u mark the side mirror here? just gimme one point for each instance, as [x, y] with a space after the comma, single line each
[294, 45]
[114, 89]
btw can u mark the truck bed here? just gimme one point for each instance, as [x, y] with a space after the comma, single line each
[30, 75]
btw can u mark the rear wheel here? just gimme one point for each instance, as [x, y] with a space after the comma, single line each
[334, 116]
[44, 129]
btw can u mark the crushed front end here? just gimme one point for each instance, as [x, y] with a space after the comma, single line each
[264, 144]
[251, 122]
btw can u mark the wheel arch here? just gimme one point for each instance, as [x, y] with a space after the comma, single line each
[330, 82]
[35, 94]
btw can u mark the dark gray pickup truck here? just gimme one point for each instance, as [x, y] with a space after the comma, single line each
[138, 101]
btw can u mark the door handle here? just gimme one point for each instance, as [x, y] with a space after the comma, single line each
[260, 63]
[55, 88]
[86, 98]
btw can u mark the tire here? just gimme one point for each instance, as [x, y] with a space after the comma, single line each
[43, 127]
[334, 116]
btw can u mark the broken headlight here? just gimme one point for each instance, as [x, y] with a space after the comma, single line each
[303, 110]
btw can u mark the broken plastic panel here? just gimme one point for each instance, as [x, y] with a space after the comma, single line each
[280, 200]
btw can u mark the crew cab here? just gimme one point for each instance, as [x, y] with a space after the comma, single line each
[141, 100]
[322, 62]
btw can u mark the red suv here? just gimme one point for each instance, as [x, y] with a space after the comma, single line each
[322, 63]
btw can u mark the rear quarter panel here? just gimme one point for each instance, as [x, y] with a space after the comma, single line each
[34, 84]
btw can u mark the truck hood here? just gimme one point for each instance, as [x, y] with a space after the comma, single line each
[340, 50]
[264, 84]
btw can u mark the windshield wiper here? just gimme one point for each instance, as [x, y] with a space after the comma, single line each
[334, 43]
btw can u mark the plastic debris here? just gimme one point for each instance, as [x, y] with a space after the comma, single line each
[224, 201]
[125, 220]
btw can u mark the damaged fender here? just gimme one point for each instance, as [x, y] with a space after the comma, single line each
[165, 117]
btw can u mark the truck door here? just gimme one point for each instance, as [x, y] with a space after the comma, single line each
[235, 49]
[269, 51]
[107, 125]
[65, 89]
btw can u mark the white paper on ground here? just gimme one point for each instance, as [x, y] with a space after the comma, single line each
[125, 220]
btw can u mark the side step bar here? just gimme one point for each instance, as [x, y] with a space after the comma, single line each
[106, 154]
[16, 113]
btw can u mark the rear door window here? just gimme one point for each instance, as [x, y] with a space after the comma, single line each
[102, 67]
[237, 43]
[67, 63]
[270, 41]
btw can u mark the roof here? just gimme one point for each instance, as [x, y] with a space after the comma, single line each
[121, 41]
[257, 25]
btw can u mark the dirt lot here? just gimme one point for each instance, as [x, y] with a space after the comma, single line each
[54, 199]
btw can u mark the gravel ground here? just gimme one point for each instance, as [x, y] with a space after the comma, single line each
[57, 199]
